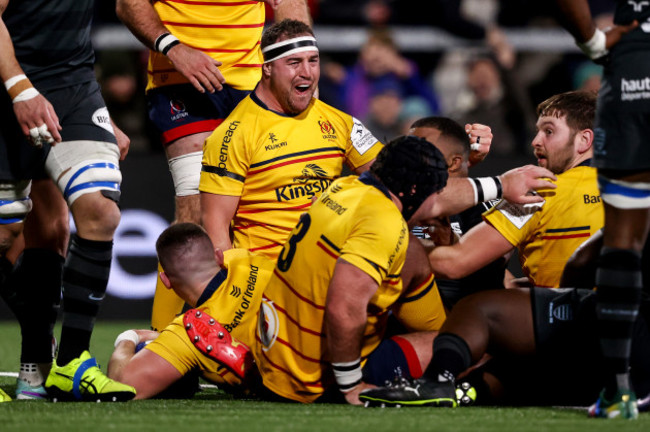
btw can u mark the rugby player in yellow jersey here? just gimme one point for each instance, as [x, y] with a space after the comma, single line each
[278, 149]
[232, 296]
[192, 269]
[204, 59]
[547, 233]
[227, 286]
[326, 306]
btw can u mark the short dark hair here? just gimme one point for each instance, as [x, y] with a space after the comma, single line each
[449, 129]
[412, 169]
[180, 240]
[288, 28]
[579, 108]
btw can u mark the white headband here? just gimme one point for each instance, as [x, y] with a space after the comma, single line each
[288, 47]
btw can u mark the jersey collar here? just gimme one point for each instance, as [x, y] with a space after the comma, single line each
[259, 102]
[213, 285]
[586, 162]
[371, 180]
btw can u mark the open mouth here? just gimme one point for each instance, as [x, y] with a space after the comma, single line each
[303, 88]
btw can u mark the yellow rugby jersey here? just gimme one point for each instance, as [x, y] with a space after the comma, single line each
[421, 308]
[356, 221]
[277, 164]
[234, 297]
[547, 234]
[227, 31]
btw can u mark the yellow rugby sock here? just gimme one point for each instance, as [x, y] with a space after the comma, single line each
[166, 305]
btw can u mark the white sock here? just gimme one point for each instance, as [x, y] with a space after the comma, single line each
[34, 373]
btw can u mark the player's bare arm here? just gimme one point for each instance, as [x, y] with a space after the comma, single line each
[35, 114]
[477, 248]
[291, 9]
[217, 211]
[8, 64]
[459, 194]
[145, 370]
[143, 21]
[349, 293]
[577, 19]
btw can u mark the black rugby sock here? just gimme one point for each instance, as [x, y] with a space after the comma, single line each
[5, 270]
[85, 277]
[451, 356]
[36, 282]
[618, 279]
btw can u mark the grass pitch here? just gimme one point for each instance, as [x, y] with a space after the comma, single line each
[213, 410]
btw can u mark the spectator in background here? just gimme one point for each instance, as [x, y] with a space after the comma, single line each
[475, 21]
[384, 108]
[498, 100]
[380, 59]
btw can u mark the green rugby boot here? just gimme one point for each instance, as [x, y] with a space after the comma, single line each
[82, 380]
[4, 397]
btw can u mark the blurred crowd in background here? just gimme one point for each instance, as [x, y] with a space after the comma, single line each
[388, 86]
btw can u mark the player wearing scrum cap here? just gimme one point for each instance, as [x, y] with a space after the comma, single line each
[281, 147]
[191, 269]
[338, 274]
[278, 149]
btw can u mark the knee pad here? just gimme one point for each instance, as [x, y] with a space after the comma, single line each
[186, 173]
[623, 194]
[91, 176]
[14, 201]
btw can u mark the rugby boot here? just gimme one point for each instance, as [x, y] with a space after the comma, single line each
[643, 404]
[24, 391]
[31, 378]
[465, 394]
[82, 380]
[4, 397]
[412, 392]
[213, 340]
[622, 405]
